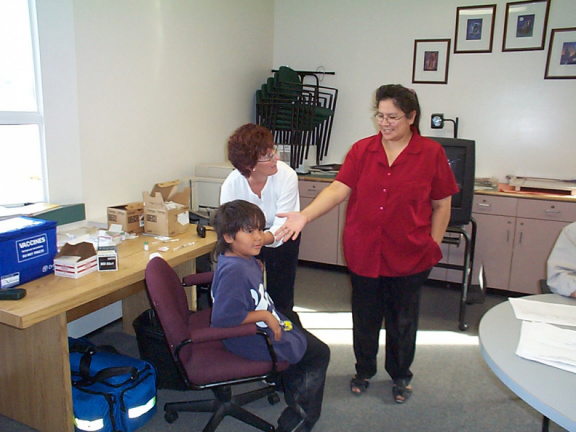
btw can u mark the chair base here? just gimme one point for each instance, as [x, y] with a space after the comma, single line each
[224, 404]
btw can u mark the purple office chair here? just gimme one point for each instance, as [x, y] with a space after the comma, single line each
[202, 359]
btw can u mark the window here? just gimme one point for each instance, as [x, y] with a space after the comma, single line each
[22, 161]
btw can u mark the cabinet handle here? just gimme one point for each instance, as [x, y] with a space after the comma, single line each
[556, 212]
[521, 233]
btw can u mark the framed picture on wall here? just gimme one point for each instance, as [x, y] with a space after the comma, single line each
[474, 29]
[430, 65]
[525, 25]
[561, 62]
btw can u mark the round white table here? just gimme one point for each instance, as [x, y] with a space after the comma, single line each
[549, 390]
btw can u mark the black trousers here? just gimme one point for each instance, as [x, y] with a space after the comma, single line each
[281, 263]
[396, 300]
[304, 382]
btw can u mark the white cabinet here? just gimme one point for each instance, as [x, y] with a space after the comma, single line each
[515, 237]
[322, 238]
[537, 227]
[495, 218]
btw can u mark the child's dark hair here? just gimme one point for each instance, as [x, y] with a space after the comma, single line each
[234, 216]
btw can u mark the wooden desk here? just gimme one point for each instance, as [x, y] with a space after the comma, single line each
[547, 389]
[35, 385]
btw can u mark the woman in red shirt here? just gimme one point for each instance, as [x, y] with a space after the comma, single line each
[399, 187]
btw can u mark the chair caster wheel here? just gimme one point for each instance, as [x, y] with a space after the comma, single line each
[463, 326]
[273, 399]
[170, 416]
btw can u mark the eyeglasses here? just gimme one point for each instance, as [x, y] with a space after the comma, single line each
[270, 156]
[391, 119]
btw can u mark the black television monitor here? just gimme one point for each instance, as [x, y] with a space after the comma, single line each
[461, 156]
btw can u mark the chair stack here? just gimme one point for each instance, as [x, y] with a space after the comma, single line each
[298, 114]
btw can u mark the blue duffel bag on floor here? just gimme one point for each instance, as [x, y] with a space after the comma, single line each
[111, 392]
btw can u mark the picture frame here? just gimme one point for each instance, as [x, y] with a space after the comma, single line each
[525, 25]
[474, 29]
[431, 60]
[561, 60]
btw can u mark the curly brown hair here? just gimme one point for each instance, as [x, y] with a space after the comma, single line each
[247, 144]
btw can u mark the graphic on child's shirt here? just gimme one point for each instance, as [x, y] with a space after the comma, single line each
[263, 301]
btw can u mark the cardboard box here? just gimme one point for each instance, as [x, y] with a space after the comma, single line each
[166, 209]
[130, 216]
[107, 258]
[75, 260]
[27, 250]
[112, 237]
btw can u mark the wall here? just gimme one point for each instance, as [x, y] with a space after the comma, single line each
[58, 66]
[522, 124]
[140, 91]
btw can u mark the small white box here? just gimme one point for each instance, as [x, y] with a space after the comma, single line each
[107, 258]
[75, 261]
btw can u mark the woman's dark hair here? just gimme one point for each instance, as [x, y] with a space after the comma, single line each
[403, 98]
[234, 216]
[247, 144]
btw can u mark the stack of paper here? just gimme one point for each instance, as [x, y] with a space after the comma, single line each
[540, 340]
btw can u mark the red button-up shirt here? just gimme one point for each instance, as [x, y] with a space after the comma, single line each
[389, 214]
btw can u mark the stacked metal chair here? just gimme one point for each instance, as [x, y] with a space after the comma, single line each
[298, 114]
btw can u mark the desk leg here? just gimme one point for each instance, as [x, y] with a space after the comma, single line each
[35, 385]
[133, 306]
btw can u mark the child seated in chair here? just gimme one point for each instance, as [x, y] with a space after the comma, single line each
[239, 297]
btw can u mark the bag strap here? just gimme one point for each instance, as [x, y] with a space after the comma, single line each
[103, 374]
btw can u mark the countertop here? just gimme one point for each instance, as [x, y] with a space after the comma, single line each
[495, 191]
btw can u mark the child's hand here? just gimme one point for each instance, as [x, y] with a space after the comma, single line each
[274, 325]
[270, 320]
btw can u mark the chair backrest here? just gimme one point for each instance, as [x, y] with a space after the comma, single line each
[168, 298]
[544, 288]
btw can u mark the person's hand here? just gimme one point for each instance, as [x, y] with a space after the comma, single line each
[295, 223]
[274, 325]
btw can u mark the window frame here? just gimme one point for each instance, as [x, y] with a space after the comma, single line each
[15, 118]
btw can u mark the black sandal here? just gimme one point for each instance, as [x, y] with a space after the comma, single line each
[401, 391]
[359, 385]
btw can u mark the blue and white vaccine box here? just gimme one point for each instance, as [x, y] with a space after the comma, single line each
[27, 250]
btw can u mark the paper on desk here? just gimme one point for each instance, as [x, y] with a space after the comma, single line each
[552, 313]
[548, 344]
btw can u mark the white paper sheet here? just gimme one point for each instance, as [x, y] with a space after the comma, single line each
[548, 344]
[551, 313]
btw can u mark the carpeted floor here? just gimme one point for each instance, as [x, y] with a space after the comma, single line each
[454, 390]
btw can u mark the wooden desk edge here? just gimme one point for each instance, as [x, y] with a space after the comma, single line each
[116, 290]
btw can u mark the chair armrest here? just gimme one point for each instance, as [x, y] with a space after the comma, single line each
[270, 347]
[218, 333]
[198, 279]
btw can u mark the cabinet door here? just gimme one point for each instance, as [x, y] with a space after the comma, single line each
[494, 245]
[534, 241]
[320, 237]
